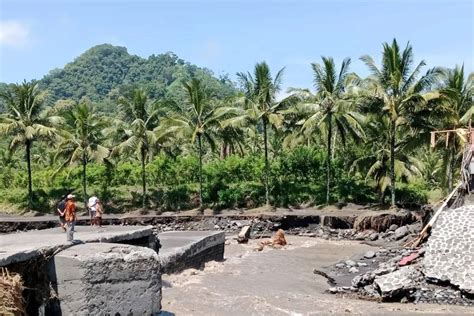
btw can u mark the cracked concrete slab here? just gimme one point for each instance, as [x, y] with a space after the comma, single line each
[23, 246]
[392, 283]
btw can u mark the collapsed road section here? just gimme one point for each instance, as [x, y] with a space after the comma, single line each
[116, 269]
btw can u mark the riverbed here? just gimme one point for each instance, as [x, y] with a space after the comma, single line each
[278, 282]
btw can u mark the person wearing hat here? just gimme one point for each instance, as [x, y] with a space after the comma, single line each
[99, 213]
[70, 216]
[92, 205]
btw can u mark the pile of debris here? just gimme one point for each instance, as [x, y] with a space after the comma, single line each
[394, 274]
[394, 233]
[11, 294]
[265, 227]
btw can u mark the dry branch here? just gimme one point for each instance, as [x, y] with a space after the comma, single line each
[11, 294]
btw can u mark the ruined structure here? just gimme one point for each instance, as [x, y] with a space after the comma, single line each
[450, 249]
[106, 279]
[115, 270]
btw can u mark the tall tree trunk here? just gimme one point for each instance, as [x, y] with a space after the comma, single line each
[84, 177]
[200, 170]
[265, 144]
[223, 150]
[381, 197]
[450, 167]
[328, 159]
[143, 157]
[28, 162]
[334, 145]
[392, 162]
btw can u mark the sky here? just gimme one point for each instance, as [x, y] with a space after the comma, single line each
[231, 36]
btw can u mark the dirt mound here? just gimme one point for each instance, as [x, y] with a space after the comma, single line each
[382, 221]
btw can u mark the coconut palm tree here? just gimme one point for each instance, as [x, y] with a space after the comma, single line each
[82, 138]
[395, 92]
[456, 109]
[329, 108]
[375, 160]
[231, 139]
[197, 119]
[260, 106]
[25, 120]
[136, 127]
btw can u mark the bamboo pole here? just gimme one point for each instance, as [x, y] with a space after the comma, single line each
[424, 231]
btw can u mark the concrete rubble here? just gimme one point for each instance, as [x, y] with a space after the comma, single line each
[396, 282]
[369, 228]
[244, 234]
[439, 272]
[104, 278]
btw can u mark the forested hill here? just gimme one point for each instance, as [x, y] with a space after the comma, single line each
[102, 71]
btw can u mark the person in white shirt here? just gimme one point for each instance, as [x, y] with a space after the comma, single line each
[92, 205]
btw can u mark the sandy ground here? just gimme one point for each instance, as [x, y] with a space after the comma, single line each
[277, 282]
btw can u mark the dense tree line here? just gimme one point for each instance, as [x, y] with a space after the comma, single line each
[103, 72]
[201, 141]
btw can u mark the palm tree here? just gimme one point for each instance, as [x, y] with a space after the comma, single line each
[432, 166]
[139, 118]
[197, 119]
[82, 139]
[328, 108]
[261, 106]
[26, 121]
[375, 159]
[394, 91]
[232, 140]
[456, 111]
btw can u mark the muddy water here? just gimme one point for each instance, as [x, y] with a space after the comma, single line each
[277, 282]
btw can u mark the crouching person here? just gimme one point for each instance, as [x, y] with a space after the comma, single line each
[70, 217]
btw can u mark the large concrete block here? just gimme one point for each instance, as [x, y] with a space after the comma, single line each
[395, 282]
[107, 279]
[190, 249]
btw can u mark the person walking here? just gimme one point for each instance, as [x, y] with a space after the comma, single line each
[70, 216]
[92, 206]
[99, 211]
[61, 210]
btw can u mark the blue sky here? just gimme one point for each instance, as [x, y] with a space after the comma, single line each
[231, 36]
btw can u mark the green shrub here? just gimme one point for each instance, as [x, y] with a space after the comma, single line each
[180, 197]
[412, 194]
[242, 194]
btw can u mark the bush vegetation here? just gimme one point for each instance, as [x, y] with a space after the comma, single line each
[297, 178]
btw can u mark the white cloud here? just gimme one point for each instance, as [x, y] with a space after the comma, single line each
[14, 34]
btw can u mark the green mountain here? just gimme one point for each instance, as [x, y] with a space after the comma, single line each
[102, 71]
